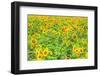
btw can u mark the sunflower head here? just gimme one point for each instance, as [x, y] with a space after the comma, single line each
[45, 52]
[74, 36]
[39, 54]
[81, 50]
[39, 57]
[77, 51]
[33, 42]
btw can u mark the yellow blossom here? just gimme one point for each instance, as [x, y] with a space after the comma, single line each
[45, 52]
[39, 57]
[78, 51]
[33, 41]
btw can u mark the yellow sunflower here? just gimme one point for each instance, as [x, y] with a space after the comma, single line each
[45, 52]
[39, 54]
[39, 57]
[81, 50]
[76, 51]
[34, 41]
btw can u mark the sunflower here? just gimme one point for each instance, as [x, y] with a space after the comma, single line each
[29, 26]
[45, 52]
[39, 57]
[81, 50]
[34, 42]
[39, 54]
[77, 52]
[74, 36]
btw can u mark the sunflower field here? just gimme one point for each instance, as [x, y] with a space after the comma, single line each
[57, 37]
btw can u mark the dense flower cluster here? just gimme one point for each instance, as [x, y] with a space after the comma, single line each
[57, 37]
